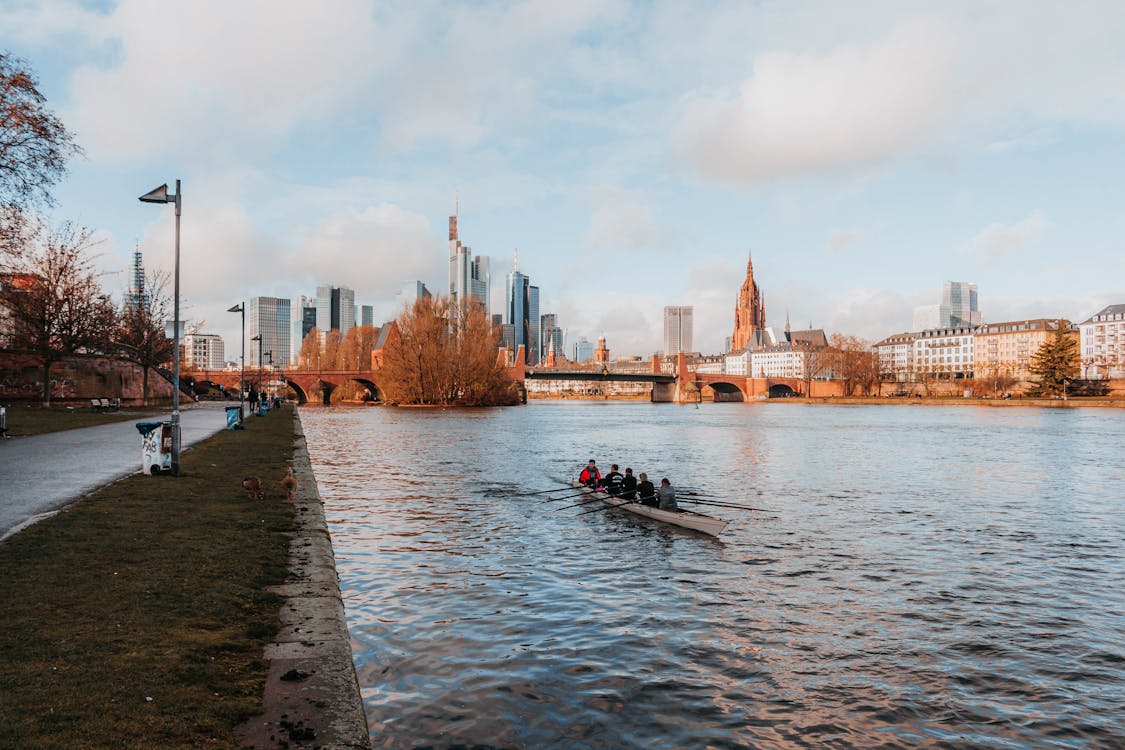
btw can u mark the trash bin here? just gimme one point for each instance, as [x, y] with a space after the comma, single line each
[156, 446]
[263, 407]
[234, 417]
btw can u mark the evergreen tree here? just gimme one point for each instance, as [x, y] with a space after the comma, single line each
[1055, 362]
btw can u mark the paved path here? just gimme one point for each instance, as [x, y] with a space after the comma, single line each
[42, 473]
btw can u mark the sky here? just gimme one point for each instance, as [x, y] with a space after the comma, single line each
[635, 153]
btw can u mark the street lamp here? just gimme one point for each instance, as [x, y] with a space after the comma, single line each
[160, 195]
[268, 353]
[241, 308]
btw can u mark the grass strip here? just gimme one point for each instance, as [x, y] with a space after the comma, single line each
[36, 419]
[137, 617]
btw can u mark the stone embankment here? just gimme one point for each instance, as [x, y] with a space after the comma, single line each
[312, 697]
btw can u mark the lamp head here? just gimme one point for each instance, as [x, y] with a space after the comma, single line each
[236, 308]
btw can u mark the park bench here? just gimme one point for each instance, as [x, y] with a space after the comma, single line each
[105, 404]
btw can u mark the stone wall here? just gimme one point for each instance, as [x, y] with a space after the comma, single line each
[78, 378]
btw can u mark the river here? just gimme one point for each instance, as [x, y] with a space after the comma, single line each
[918, 576]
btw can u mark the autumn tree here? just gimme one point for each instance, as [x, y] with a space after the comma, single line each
[815, 363]
[34, 149]
[1055, 362]
[59, 309]
[355, 350]
[330, 354]
[445, 356]
[141, 337]
[310, 355]
[854, 364]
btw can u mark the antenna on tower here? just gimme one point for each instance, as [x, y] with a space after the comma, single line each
[515, 259]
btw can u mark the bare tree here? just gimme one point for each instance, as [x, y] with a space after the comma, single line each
[59, 308]
[443, 356]
[141, 337]
[855, 364]
[34, 148]
[310, 355]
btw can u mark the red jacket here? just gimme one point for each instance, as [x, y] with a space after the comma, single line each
[585, 478]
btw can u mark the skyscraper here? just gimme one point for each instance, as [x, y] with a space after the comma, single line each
[268, 317]
[534, 341]
[468, 277]
[678, 329]
[959, 304]
[335, 309]
[302, 315]
[518, 309]
[959, 307]
[749, 311]
[550, 336]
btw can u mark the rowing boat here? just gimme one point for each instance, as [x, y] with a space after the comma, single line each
[687, 519]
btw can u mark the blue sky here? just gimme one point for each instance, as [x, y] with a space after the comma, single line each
[635, 153]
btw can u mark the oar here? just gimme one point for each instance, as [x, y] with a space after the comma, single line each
[725, 505]
[586, 502]
[610, 507]
[541, 492]
[564, 497]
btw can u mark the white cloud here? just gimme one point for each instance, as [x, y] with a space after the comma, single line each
[624, 220]
[215, 78]
[809, 113]
[997, 242]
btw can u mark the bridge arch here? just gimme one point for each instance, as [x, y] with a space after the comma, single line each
[372, 388]
[302, 396]
[781, 390]
[728, 392]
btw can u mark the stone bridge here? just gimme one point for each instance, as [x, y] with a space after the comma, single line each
[683, 386]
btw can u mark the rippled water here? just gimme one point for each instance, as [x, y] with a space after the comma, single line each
[925, 576]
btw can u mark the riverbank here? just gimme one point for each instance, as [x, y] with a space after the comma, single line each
[138, 616]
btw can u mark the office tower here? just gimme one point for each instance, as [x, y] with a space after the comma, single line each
[469, 277]
[959, 304]
[137, 296]
[677, 329]
[959, 307]
[303, 318]
[518, 309]
[749, 311]
[268, 317]
[409, 294]
[583, 350]
[204, 351]
[481, 280]
[533, 338]
[335, 308]
[550, 336]
[367, 315]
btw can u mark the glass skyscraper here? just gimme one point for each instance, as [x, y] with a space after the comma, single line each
[678, 329]
[268, 317]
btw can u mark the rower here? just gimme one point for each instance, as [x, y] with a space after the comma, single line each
[629, 486]
[667, 495]
[613, 481]
[590, 476]
[646, 491]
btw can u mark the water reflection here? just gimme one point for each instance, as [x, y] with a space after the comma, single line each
[938, 577]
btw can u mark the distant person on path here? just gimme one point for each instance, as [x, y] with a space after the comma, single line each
[629, 485]
[614, 481]
[667, 495]
[590, 476]
[646, 491]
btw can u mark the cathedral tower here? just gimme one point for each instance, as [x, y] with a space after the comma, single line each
[749, 311]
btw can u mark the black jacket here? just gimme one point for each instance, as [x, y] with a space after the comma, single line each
[647, 493]
[613, 482]
[629, 487]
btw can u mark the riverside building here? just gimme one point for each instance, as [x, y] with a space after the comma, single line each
[678, 329]
[268, 317]
[1102, 343]
[1006, 349]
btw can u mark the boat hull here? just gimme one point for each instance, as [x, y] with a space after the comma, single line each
[684, 519]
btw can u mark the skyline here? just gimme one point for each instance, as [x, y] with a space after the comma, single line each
[635, 154]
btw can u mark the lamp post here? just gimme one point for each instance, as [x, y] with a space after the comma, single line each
[269, 355]
[241, 308]
[160, 195]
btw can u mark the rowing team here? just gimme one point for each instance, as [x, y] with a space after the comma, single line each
[626, 487]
